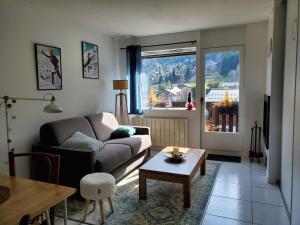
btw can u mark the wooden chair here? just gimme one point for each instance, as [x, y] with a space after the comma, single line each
[44, 167]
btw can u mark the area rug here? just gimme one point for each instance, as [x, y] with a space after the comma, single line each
[164, 204]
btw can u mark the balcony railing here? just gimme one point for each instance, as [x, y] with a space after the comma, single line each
[222, 118]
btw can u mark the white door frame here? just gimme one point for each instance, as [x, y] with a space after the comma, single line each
[223, 145]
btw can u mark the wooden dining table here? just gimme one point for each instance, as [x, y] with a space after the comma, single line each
[30, 197]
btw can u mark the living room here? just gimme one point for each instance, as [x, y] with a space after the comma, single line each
[172, 105]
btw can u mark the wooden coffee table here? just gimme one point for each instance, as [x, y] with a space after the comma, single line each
[159, 168]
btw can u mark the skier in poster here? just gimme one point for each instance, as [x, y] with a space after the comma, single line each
[53, 59]
[88, 62]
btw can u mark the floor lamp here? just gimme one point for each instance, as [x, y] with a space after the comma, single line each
[8, 101]
[121, 85]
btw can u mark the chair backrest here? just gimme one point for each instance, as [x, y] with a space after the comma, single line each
[25, 220]
[44, 166]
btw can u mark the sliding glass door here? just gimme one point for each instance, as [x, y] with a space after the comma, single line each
[222, 99]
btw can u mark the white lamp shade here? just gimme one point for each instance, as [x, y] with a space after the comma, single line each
[52, 107]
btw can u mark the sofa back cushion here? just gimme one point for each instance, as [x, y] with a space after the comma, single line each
[55, 133]
[103, 124]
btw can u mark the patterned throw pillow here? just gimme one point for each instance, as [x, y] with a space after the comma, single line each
[82, 142]
[122, 132]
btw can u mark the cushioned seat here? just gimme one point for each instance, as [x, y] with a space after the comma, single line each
[137, 143]
[97, 186]
[112, 156]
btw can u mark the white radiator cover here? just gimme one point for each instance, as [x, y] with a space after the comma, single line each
[165, 131]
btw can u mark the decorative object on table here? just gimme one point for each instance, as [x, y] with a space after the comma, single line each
[269, 48]
[90, 60]
[175, 155]
[97, 187]
[8, 102]
[121, 85]
[4, 193]
[255, 145]
[48, 67]
[161, 207]
[189, 105]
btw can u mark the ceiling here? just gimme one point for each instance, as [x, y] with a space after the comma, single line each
[148, 17]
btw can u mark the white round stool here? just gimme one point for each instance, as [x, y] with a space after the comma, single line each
[97, 187]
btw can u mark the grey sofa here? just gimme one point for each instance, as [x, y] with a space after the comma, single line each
[118, 157]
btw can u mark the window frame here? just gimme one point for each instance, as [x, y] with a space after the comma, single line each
[194, 52]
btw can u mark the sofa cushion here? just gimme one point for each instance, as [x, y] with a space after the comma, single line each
[112, 156]
[122, 132]
[103, 124]
[55, 133]
[83, 143]
[137, 143]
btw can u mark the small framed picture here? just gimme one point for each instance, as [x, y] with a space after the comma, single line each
[48, 67]
[90, 60]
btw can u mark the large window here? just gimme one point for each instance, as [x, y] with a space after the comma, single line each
[167, 77]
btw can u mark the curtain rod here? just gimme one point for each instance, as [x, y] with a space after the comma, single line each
[223, 46]
[174, 43]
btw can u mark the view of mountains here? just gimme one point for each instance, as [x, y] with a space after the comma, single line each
[173, 69]
[222, 66]
[162, 78]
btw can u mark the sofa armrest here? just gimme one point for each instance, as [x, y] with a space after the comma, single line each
[140, 130]
[74, 164]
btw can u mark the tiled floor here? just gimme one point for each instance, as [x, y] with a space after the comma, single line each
[242, 196]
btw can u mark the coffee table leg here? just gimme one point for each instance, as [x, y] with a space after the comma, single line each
[203, 168]
[142, 186]
[187, 193]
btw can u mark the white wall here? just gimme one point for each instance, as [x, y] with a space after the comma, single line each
[21, 27]
[288, 102]
[255, 76]
[275, 87]
[295, 215]
[251, 37]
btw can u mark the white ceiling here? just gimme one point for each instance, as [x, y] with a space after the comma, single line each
[149, 17]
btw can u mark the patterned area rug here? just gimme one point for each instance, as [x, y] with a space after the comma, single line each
[164, 204]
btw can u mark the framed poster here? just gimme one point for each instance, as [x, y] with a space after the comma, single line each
[90, 61]
[48, 67]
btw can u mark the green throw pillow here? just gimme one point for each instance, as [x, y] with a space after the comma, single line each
[122, 132]
[81, 142]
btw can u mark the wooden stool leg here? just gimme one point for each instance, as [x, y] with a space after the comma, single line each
[111, 204]
[101, 211]
[86, 208]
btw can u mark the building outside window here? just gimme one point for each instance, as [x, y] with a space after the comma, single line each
[167, 77]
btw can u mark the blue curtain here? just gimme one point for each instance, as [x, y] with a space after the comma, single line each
[133, 59]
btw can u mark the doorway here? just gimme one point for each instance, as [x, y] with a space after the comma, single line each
[222, 99]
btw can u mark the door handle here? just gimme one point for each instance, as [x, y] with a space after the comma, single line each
[202, 100]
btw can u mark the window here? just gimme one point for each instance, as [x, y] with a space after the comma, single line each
[222, 89]
[167, 77]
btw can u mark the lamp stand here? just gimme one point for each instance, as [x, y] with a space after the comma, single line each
[121, 95]
[7, 105]
[8, 101]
